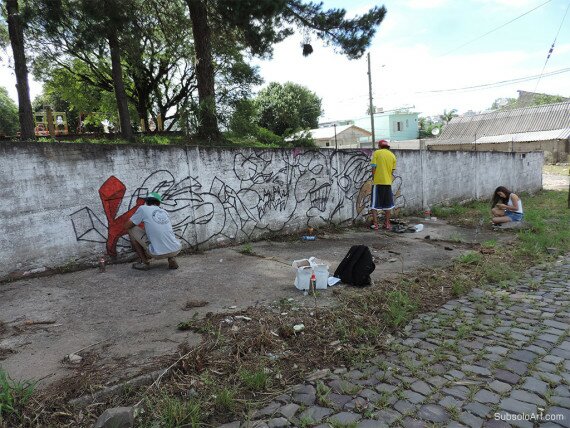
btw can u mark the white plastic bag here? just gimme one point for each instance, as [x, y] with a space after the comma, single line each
[305, 268]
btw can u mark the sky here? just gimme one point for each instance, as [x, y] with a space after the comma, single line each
[421, 46]
[424, 46]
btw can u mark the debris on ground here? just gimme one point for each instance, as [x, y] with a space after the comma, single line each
[73, 358]
[195, 304]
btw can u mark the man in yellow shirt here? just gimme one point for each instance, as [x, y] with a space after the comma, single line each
[383, 164]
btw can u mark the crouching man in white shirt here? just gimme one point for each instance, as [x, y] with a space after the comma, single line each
[157, 240]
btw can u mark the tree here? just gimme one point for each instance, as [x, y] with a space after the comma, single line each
[531, 99]
[285, 109]
[92, 28]
[500, 103]
[64, 90]
[244, 119]
[8, 114]
[207, 120]
[448, 115]
[541, 99]
[426, 127]
[258, 24]
[16, 31]
[158, 59]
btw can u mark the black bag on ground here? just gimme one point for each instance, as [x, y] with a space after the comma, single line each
[356, 266]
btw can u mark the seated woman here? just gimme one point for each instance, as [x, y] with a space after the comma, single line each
[506, 206]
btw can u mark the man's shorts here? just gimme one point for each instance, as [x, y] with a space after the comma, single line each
[382, 197]
[514, 216]
[139, 235]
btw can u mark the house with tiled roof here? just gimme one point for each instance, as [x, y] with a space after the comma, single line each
[342, 137]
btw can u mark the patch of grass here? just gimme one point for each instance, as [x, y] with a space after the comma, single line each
[455, 237]
[400, 308]
[174, 412]
[14, 396]
[323, 392]
[306, 422]
[254, 380]
[492, 243]
[470, 258]
[247, 250]
[454, 412]
[556, 169]
[549, 226]
[383, 400]
[463, 331]
[225, 401]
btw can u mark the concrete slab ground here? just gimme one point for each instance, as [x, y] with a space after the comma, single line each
[126, 318]
[555, 182]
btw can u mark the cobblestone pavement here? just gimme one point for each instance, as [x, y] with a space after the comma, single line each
[488, 359]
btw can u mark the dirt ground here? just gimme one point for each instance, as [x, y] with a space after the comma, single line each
[125, 320]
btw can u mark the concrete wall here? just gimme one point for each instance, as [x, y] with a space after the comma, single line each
[554, 150]
[67, 203]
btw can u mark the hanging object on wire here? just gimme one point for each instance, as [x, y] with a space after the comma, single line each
[552, 47]
[306, 43]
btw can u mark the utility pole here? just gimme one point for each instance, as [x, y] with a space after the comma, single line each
[371, 105]
[335, 143]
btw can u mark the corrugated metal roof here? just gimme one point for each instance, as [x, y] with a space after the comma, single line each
[556, 134]
[521, 137]
[546, 117]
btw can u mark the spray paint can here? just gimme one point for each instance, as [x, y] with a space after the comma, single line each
[313, 284]
[102, 264]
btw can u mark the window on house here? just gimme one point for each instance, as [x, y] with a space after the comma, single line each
[407, 124]
[399, 126]
[328, 144]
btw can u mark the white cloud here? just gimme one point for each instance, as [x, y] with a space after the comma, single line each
[8, 79]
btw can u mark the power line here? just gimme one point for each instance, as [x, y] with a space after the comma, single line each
[493, 30]
[497, 84]
[552, 47]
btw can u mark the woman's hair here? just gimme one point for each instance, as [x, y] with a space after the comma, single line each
[497, 198]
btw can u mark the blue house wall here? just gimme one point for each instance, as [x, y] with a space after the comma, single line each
[392, 126]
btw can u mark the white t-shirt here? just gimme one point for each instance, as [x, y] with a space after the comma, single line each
[158, 229]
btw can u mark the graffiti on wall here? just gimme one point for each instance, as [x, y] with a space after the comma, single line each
[262, 191]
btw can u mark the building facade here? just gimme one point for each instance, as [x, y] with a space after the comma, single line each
[393, 126]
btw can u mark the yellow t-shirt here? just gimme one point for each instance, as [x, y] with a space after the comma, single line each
[385, 162]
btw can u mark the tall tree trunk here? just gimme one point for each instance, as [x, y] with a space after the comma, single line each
[207, 120]
[119, 85]
[17, 40]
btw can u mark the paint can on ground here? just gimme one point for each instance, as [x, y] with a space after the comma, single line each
[309, 238]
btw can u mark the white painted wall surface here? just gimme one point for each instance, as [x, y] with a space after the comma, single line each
[53, 210]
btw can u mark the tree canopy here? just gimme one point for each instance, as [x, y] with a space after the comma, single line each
[180, 59]
[285, 109]
[259, 24]
[8, 114]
